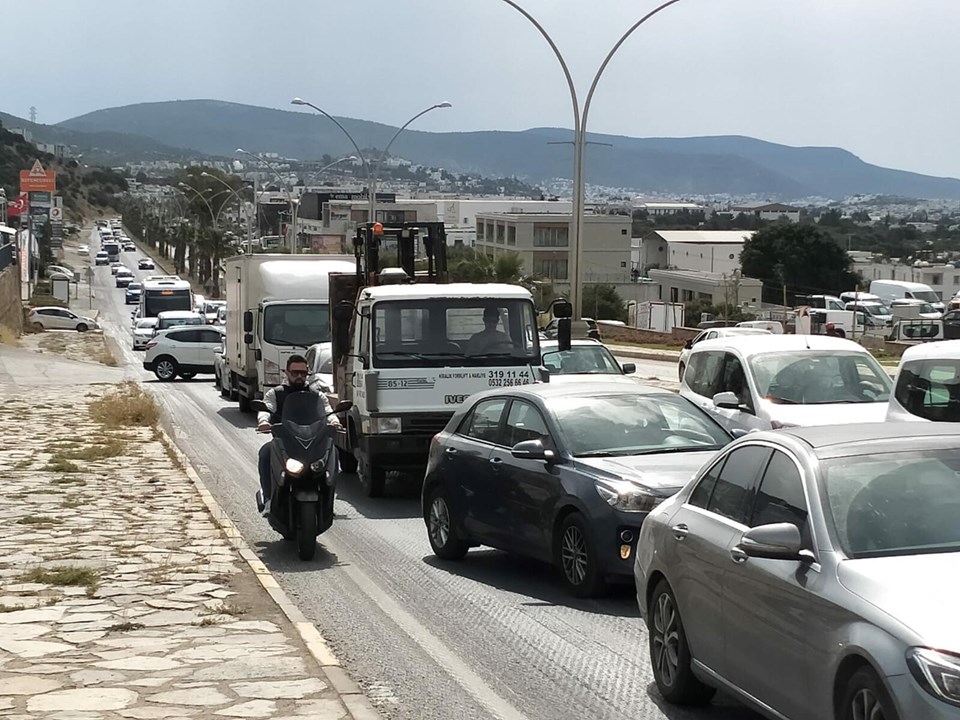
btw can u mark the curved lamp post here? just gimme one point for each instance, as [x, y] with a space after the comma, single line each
[273, 168]
[372, 176]
[579, 140]
[242, 204]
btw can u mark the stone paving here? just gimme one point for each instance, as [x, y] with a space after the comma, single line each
[119, 595]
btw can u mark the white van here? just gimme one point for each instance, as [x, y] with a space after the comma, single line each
[927, 386]
[890, 290]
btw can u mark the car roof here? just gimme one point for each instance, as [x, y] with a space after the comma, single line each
[546, 391]
[50, 307]
[848, 440]
[178, 314]
[748, 345]
[946, 349]
[730, 331]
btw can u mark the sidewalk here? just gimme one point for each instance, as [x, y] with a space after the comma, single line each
[124, 592]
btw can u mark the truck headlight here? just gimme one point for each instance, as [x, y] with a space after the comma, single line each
[937, 672]
[384, 425]
[293, 467]
[271, 373]
[627, 496]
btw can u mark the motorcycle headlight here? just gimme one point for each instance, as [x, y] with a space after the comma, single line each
[384, 425]
[937, 672]
[627, 496]
[293, 467]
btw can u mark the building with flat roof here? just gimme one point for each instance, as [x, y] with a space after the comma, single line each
[655, 208]
[768, 211]
[714, 251]
[543, 242]
[459, 215]
[716, 288]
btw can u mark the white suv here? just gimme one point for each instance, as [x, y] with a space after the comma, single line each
[183, 351]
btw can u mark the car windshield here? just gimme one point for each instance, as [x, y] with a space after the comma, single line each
[633, 424]
[134, 286]
[928, 295]
[299, 325]
[581, 359]
[894, 503]
[174, 322]
[930, 389]
[146, 323]
[820, 377]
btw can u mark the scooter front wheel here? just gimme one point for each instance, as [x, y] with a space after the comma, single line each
[306, 530]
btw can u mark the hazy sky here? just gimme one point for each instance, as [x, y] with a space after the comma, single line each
[876, 77]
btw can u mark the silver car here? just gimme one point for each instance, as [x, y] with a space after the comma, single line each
[813, 573]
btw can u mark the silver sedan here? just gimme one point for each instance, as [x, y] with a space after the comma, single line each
[814, 573]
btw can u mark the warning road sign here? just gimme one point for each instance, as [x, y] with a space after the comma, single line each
[36, 179]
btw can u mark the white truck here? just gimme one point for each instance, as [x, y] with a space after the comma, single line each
[277, 306]
[408, 353]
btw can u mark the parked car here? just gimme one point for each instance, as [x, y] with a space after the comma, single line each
[132, 295]
[143, 331]
[59, 270]
[146, 264]
[123, 277]
[102, 258]
[811, 573]
[712, 334]
[172, 318]
[561, 473]
[584, 358]
[319, 359]
[927, 385]
[83, 250]
[183, 351]
[763, 383]
[58, 318]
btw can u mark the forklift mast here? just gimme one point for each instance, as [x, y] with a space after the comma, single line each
[372, 241]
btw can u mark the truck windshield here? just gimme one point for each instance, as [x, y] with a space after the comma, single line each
[300, 325]
[454, 332]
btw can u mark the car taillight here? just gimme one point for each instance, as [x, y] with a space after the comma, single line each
[150, 344]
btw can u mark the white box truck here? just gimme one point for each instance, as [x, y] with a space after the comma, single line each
[277, 306]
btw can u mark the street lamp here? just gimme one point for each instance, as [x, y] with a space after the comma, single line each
[241, 202]
[579, 140]
[263, 160]
[371, 176]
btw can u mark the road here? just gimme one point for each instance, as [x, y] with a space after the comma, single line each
[493, 636]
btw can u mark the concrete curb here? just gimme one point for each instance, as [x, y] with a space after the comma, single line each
[639, 354]
[357, 704]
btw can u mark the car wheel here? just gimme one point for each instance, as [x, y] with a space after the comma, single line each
[38, 326]
[373, 478]
[441, 528]
[669, 652]
[82, 327]
[865, 698]
[577, 557]
[166, 369]
[680, 370]
[347, 460]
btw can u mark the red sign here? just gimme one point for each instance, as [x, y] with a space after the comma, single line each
[18, 206]
[36, 179]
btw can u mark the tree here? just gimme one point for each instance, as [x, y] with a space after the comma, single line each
[804, 258]
[603, 302]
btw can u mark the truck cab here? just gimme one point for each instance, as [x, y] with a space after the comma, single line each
[409, 352]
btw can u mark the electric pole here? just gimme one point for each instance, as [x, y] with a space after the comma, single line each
[33, 114]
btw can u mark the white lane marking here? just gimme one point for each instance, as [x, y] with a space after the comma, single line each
[454, 666]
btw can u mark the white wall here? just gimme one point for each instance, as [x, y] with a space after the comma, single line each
[705, 257]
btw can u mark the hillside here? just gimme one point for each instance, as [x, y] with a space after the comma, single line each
[698, 165]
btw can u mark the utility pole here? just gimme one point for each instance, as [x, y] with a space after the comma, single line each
[33, 114]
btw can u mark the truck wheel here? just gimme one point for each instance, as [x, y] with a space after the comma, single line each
[348, 461]
[243, 402]
[373, 478]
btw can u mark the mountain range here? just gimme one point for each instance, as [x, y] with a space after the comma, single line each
[733, 165]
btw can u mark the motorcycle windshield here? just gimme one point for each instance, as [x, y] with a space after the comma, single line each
[304, 420]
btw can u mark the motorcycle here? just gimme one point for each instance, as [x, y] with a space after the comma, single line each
[301, 456]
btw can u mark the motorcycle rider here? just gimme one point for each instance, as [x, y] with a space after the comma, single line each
[296, 381]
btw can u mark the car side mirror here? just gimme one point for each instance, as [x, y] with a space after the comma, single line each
[629, 368]
[726, 401]
[688, 344]
[533, 450]
[777, 541]
[259, 405]
[739, 432]
[343, 406]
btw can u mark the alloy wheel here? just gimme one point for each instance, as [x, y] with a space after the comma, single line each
[666, 640]
[439, 522]
[866, 706]
[165, 370]
[573, 554]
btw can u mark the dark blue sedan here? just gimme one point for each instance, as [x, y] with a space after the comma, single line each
[562, 474]
[132, 295]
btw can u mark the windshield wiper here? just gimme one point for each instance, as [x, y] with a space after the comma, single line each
[781, 401]
[604, 453]
[402, 353]
[678, 448]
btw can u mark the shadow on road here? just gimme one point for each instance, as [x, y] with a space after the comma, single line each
[240, 420]
[281, 556]
[401, 499]
[537, 580]
[723, 707]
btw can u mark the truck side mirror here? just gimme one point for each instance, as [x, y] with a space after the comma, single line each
[248, 324]
[562, 309]
[248, 339]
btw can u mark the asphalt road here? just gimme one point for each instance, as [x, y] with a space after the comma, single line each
[493, 636]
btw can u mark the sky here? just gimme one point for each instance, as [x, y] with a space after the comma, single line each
[875, 77]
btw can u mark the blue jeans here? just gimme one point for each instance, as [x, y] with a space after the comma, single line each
[263, 465]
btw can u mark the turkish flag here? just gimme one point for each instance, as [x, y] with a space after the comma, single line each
[18, 206]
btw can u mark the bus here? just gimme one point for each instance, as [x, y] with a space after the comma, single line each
[159, 295]
[112, 248]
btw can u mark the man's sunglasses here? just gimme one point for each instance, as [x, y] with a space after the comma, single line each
[297, 373]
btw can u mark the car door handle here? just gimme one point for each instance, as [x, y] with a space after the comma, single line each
[680, 531]
[496, 463]
[451, 451]
[738, 555]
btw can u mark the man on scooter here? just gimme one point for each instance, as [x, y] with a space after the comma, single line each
[296, 381]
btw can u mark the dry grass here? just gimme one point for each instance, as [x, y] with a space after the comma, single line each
[63, 575]
[11, 608]
[8, 336]
[60, 464]
[171, 452]
[38, 520]
[110, 447]
[105, 355]
[225, 608]
[127, 406]
[125, 627]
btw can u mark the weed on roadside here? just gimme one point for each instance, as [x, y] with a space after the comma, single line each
[172, 453]
[225, 608]
[38, 520]
[70, 503]
[11, 608]
[8, 336]
[62, 575]
[207, 622]
[110, 447]
[60, 464]
[127, 406]
[125, 627]
[69, 480]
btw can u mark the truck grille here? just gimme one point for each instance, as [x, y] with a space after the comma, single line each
[426, 423]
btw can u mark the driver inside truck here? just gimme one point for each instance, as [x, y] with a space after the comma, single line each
[490, 339]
